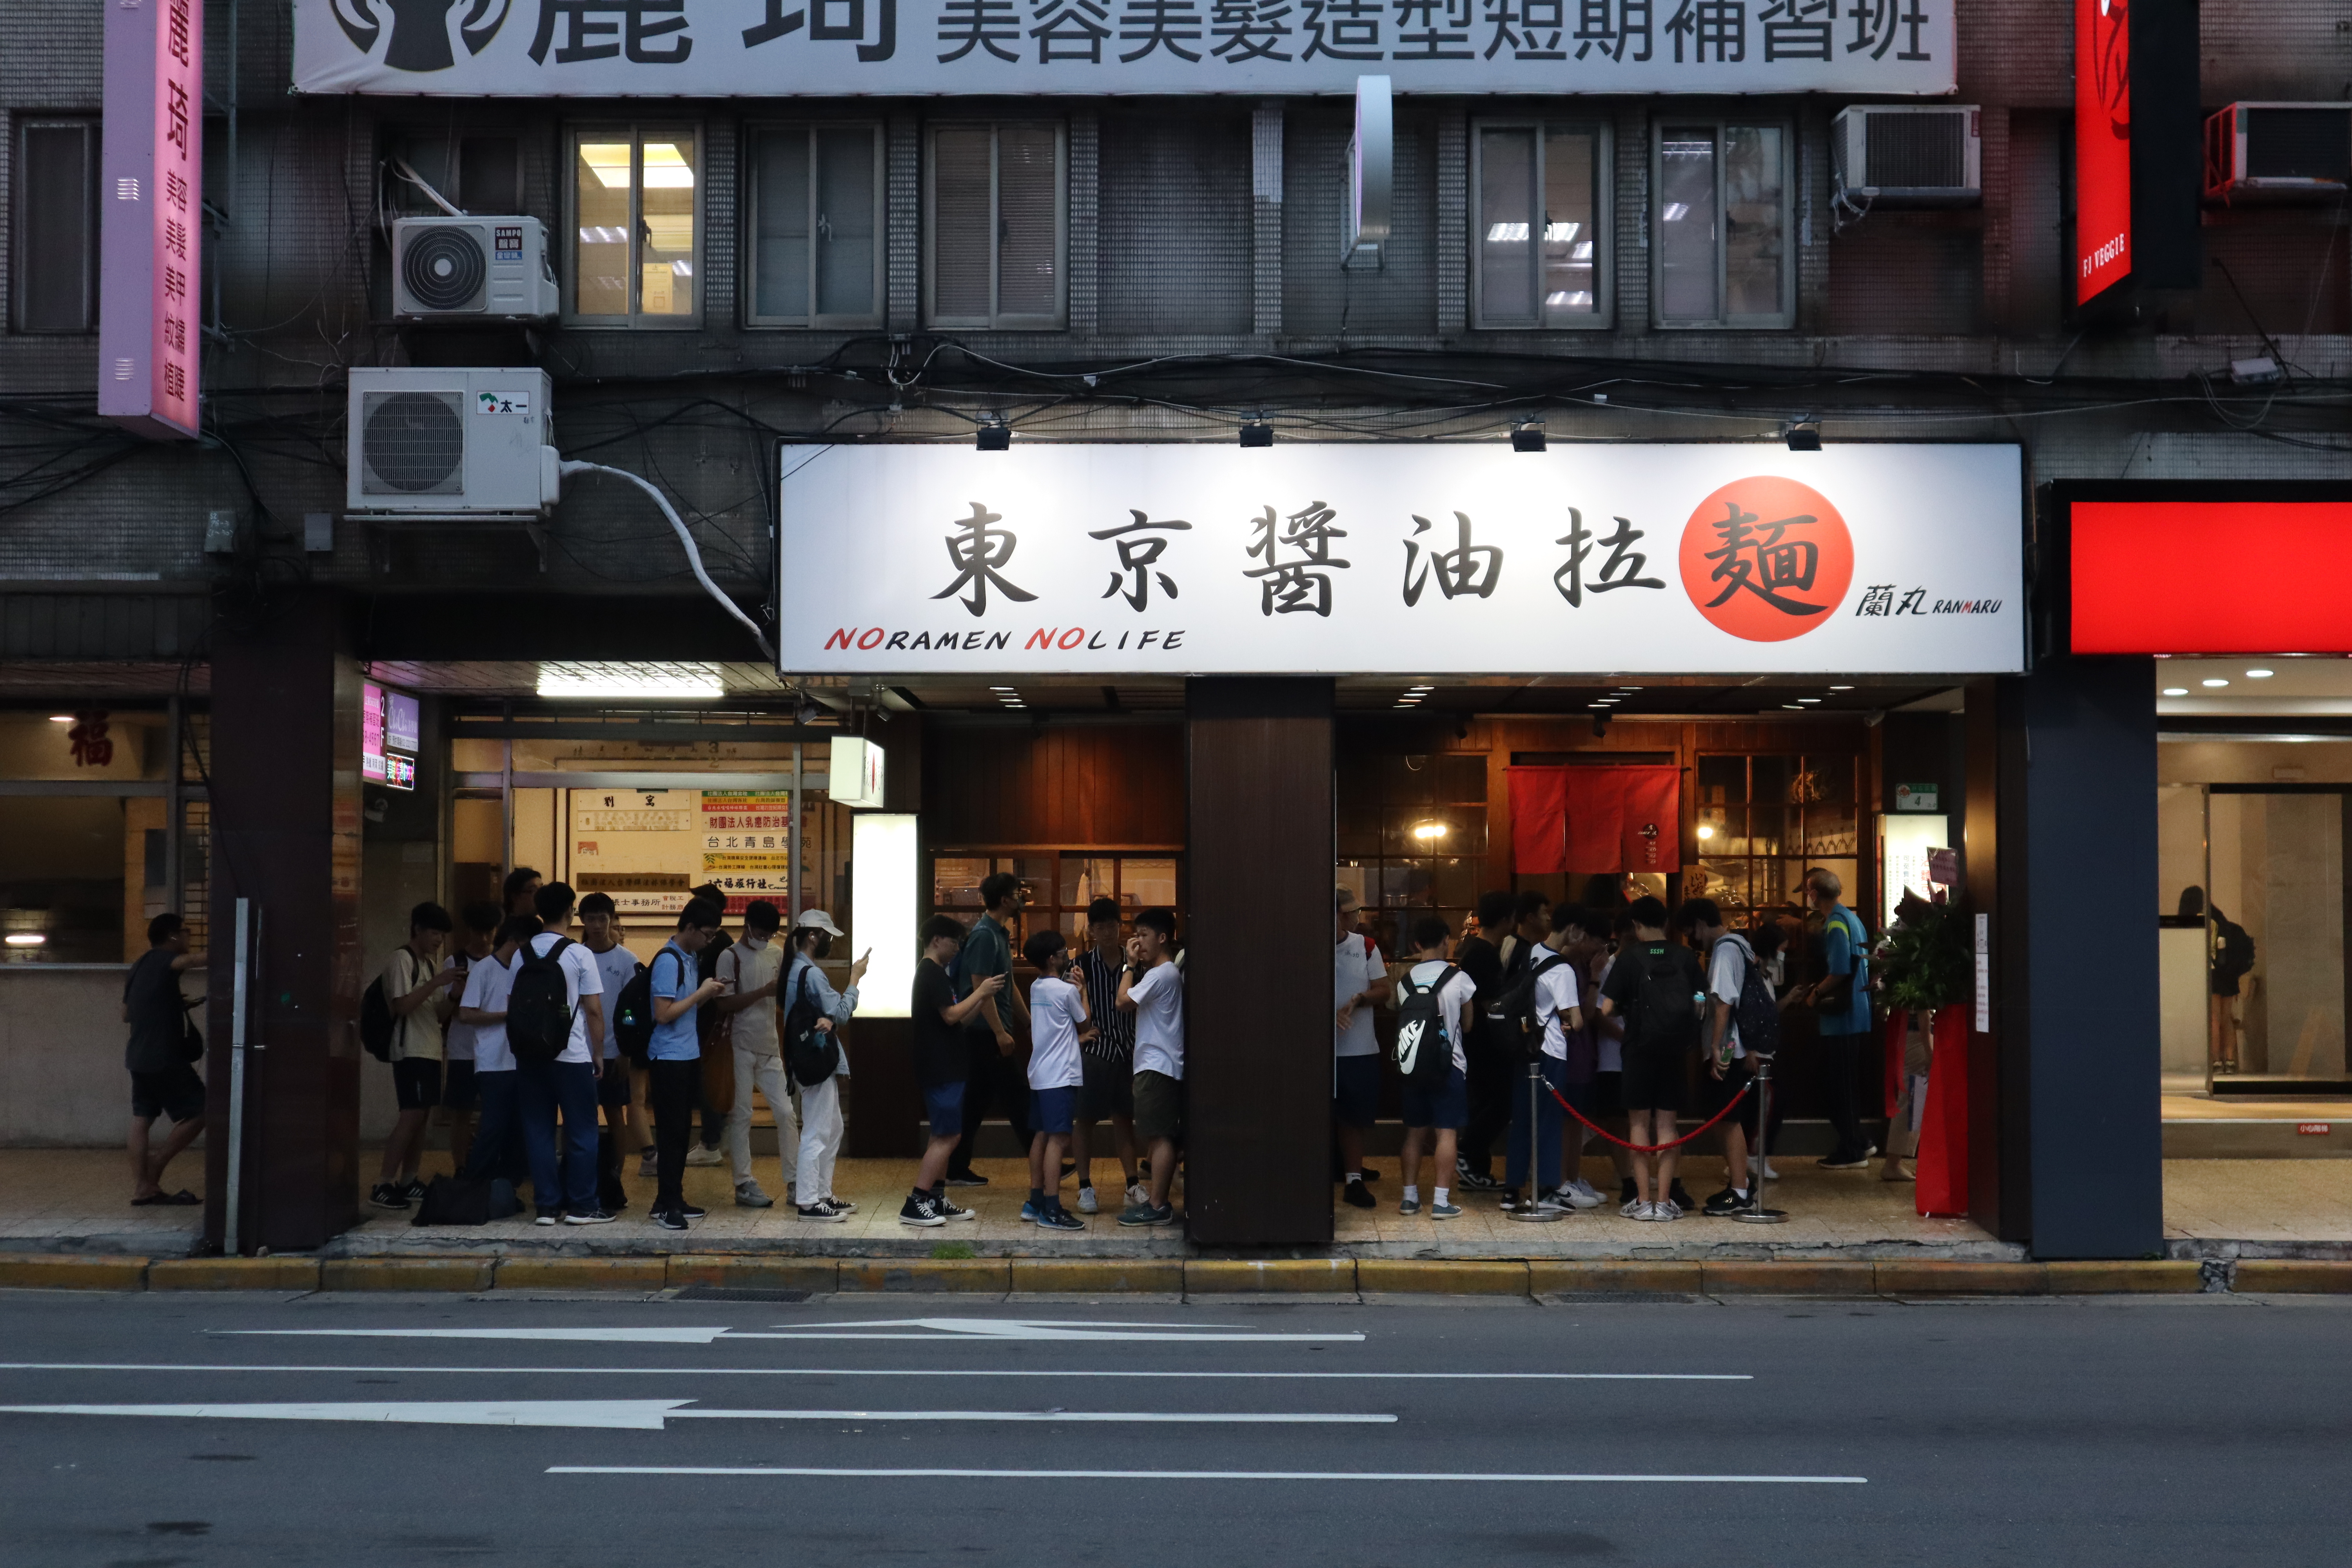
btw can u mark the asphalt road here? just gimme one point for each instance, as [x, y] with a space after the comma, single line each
[2187, 1430]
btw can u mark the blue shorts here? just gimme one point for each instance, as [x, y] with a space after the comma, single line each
[1054, 1110]
[1356, 1091]
[943, 1103]
[1448, 1107]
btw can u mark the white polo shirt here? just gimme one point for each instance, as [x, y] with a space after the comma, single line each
[1159, 997]
[580, 978]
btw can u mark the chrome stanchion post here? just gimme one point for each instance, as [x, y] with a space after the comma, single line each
[1756, 1213]
[231, 1231]
[1528, 1210]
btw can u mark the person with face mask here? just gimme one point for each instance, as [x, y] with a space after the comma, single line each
[821, 1124]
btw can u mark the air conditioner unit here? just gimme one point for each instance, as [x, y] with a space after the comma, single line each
[2278, 151]
[1921, 155]
[471, 270]
[450, 445]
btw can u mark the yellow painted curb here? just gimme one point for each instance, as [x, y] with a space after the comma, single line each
[70, 1271]
[987, 1274]
[234, 1274]
[1271, 1275]
[817, 1275]
[1108, 1276]
[2091, 1278]
[407, 1273]
[1951, 1277]
[583, 1273]
[1551, 1277]
[1449, 1276]
[1787, 1277]
[2293, 1276]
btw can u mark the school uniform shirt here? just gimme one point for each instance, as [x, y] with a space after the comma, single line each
[1556, 993]
[674, 975]
[1455, 1002]
[1056, 1010]
[580, 978]
[1726, 968]
[616, 967]
[1358, 969]
[751, 965]
[486, 986]
[1159, 997]
[1613, 1046]
[456, 1039]
[940, 1055]
[419, 1034]
[1114, 1038]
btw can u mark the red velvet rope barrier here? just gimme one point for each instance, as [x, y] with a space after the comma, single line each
[1729, 1106]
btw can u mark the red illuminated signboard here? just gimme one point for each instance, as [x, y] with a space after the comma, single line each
[152, 230]
[2209, 577]
[2103, 146]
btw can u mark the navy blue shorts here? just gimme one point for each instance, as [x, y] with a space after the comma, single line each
[943, 1103]
[1054, 1110]
[1448, 1107]
[457, 1090]
[1356, 1092]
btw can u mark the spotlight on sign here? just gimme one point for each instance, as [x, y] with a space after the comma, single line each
[995, 435]
[1528, 435]
[1258, 433]
[1803, 434]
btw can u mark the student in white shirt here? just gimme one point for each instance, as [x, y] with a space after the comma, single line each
[498, 1144]
[1559, 1003]
[478, 935]
[1441, 1112]
[1153, 988]
[416, 991]
[752, 966]
[1360, 982]
[1057, 1020]
[565, 1189]
[600, 933]
[1728, 958]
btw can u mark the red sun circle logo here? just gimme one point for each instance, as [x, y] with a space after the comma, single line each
[1766, 558]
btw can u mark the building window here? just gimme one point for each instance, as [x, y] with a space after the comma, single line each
[1722, 226]
[1056, 887]
[995, 217]
[56, 258]
[1412, 840]
[1764, 821]
[1541, 225]
[635, 227]
[816, 195]
[482, 174]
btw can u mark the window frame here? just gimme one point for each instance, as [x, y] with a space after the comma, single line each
[1604, 225]
[637, 132]
[753, 131]
[998, 319]
[406, 142]
[1779, 320]
[19, 259]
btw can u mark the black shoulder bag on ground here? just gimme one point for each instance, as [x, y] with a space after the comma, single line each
[813, 1053]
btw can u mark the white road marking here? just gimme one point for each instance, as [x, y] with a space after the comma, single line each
[1190, 1475]
[896, 1372]
[937, 1329]
[615, 1335]
[647, 1415]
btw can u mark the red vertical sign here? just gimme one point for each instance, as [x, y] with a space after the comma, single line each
[2103, 158]
[152, 232]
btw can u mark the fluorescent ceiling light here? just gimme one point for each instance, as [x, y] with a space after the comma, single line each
[1841, 688]
[666, 168]
[692, 682]
[2260, 674]
[26, 939]
[2213, 680]
[61, 718]
[609, 160]
[2175, 691]
[1809, 700]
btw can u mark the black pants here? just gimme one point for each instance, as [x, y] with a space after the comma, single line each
[1841, 1061]
[994, 1079]
[669, 1092]
[1493, 1076]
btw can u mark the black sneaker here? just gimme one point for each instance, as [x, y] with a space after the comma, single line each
[413, 1189]
[1059, 1218]
[688, 1211]
[587, 1216]
[1724, 1202]
[921, 1211]
[1510, 1200]
[1369, 1174]
[387, 1196]
[669, 1219]
[1356, 1195]
[1681, 1196]
[966, 1179]
[1844, 1162]
[1473, 1181]
[949, 1211]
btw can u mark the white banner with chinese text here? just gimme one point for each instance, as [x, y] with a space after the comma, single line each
[774, 48]
[1416, 559]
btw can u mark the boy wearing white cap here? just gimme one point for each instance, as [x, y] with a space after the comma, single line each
[821, 1125]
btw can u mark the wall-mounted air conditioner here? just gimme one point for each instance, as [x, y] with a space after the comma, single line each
[449, 444]
[1918, 156]
[2278, 151]
[471, 270]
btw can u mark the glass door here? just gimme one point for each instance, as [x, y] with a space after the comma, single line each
[2275, 939]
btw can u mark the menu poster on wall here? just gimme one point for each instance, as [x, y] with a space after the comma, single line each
[747, 844]
[388, 737]
[637, 846]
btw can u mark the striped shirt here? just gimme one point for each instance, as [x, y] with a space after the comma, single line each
[1114, 1038]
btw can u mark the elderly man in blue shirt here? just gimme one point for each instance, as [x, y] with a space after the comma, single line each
[821, 1125]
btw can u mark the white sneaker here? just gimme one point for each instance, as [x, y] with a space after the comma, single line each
[1554, 1201]
[702, 1154]
[1579, 1194]
[1635, 1208]
[1665, 1208]
[1138, 1194]
[1086, 1204]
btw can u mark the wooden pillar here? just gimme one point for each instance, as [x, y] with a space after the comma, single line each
[286, 834]
[1258, 868]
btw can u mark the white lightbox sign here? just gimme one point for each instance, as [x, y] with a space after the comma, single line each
[1418, 559]
[883, 897]
[854, 772]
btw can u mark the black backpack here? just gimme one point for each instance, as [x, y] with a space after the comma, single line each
[633, 1014]
[1665, 1014]
[1424, 1051]
[538, 1008]
[1522, 1020]
[379, 1026]
[1755, 1012]
[813, 1053]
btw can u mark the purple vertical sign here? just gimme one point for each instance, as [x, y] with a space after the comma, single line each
[152, 229]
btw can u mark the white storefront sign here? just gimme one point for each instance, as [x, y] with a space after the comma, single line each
[772, 48]
[1416, 559]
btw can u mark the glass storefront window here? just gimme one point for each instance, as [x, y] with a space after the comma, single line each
[82, 873]
[1056, 888]
[1763, 821]
[1412, 839]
